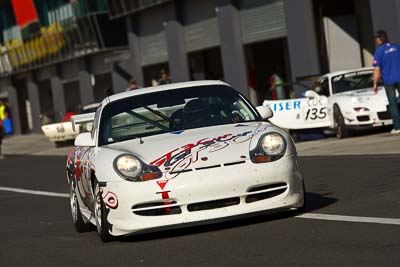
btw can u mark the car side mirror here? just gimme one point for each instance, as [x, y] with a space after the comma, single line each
[265, 112]
[84, 139]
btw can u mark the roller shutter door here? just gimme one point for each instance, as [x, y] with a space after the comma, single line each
[154, 49]
[153, 42]
[262, 20]
[200, 25]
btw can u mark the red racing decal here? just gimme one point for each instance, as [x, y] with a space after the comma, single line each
[162, 184]
[165, 195]
[110, 199]
[161, 160]
[179, 159]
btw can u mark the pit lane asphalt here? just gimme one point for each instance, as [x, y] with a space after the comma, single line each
[37, 230]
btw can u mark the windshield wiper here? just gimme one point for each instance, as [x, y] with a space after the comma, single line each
[158, 113]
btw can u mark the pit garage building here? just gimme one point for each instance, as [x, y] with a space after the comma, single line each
[76, 52]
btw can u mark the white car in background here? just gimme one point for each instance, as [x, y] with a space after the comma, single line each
[176, 155]
[63, 131]
[345, 102]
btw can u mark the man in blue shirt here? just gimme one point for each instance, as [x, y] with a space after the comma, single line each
[387, 63]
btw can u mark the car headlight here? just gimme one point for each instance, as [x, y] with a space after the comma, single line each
[128, 166]
[132, 169]
[270, 147]
[273, 144]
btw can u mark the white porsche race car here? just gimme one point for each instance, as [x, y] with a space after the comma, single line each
[63, 131]
[176, 155]
[344, 102]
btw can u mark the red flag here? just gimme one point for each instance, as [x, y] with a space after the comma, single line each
[25, 12]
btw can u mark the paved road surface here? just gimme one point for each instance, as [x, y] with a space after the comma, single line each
[37, 230]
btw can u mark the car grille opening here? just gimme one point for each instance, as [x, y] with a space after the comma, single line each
[214, 204]
[385, 115]
[363, 118]
[158, 210]
[265, 195]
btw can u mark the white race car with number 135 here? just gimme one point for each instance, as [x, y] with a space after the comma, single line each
[345, 102]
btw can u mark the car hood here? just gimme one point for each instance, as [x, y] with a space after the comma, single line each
[203, 147]
[365, 97]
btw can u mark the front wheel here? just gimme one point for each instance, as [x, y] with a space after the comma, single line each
[341, 130]
[100, 215]
[80, 225]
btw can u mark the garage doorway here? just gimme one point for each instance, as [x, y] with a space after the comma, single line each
[72, 96]
[24, 106]
[102, 86]
[152, 73]
[206, 64]
[47, 114]
[264, 59]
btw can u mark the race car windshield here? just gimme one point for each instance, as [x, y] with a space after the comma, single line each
[171, 111]
[352, 81]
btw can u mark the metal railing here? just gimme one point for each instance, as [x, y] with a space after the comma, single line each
[119, 8]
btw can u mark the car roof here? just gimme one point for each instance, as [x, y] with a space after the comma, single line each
[159, 88]
[335, 73]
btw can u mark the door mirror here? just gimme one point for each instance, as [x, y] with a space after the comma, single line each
[84, 139]
[265, 112]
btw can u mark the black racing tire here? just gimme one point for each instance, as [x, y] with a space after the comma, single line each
[79, 223]
[341, 130]
[303, 207]
[100, 215]
[58, 144]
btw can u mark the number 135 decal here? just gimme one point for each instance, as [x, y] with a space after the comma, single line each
[316, 113]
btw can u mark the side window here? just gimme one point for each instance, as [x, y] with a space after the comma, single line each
[324, 87]
[96, 121]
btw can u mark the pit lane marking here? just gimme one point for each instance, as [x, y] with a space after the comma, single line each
[33, 192]
[314, 216]
[343, 218]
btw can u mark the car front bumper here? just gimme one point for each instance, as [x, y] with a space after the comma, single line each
[368, 119]
[203, 195]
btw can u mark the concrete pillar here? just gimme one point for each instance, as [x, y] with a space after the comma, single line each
[85, 87]
[385, 16]
[177, 57]
[233, 59]
[119, 84]
[366, 32]
[135, 50]
[15, 116]
[57, 90]
[33, 95]
[302, 40]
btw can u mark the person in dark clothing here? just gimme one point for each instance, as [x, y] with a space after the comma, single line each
[132, 85]
[164, 78]
[387, 64]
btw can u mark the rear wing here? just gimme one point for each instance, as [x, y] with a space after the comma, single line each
[82, 118]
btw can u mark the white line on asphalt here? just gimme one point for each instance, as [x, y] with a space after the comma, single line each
[315, 216]
[342, 218]
[33, 192]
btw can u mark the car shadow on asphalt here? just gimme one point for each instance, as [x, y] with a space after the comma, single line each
[313, 203]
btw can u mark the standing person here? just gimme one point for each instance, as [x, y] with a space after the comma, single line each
[132, 85]
[251, 84]
[5, 118]
[1, 137]
[276, 85]
[387, 64]
[164, 78]
[3, 110]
